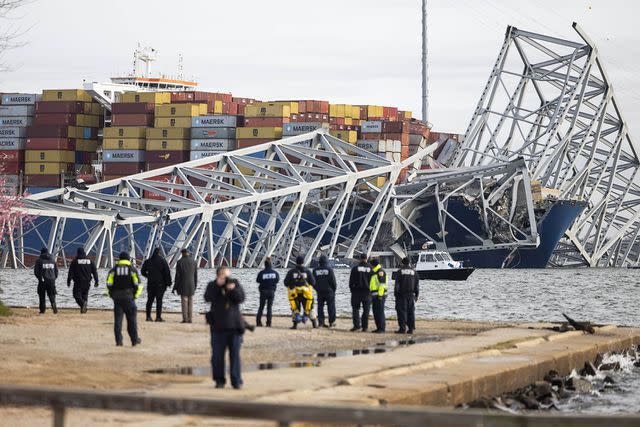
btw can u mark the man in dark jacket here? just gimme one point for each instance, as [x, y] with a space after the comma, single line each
[267, 282]
[326, 289]
[227, 326]
[124, 286]
[299, 282]
[80, 272]
[360, 294]
[406, 292]
[186, 283]
[156, 270]
[46, 271]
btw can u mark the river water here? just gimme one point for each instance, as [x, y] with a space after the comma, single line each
[598, 295]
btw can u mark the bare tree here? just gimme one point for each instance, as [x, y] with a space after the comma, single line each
[10, 31]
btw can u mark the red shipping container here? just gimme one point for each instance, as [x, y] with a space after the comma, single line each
[48, 131]
[336, 120]
[51, 144]
[11, 156]
[166, 157]
[404, 152]
[133, 107]
[265, 121]
[122, 168]
[395, 127]
[230, 108]
[110, 177]
[54, 119]
[75, 107]
[244, 143]
[132, 120]
[177, 97]
[390, 113]
[372, 136]
[402, 137]
[43, 181]
[241, 108]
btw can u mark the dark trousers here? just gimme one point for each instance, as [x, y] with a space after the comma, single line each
[377, 305]
[406, 311]
[328, 298]
[360, 300]
[81, 292]
[155, 293]
[220, 342]
[126, 307]
[46, 289]
[266, 298]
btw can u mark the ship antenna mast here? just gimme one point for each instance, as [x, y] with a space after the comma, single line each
[147, 55]
[180, 67]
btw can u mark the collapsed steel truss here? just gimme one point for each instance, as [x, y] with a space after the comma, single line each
[550, 102]
[234, 208]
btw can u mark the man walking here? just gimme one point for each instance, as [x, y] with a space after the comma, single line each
[359, 282]
[80, 272]
[299, 282]
[326, 289]
[46, 271]
[378, 288]
[227, 326]
[186, 283]
[267, 282]
[156, 270]
[123, 286]
[406, 292]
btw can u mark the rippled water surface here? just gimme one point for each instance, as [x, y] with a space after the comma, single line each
[599, 295]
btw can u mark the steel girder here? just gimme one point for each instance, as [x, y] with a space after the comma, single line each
[550, 102]
[234, 208]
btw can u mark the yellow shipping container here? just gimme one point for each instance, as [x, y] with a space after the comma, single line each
[267, 111]
[87, 120]
[45, 168]
[58, 156]
[168, 133]
[348, 121]
[124, 144]
[168, 144]
[261, 132]
[350, 136]
[95, 109]
[336, 110]
[151, 97]
[181, 110]
[405, 115]
[375, 111]
[125, 132]
[217, 107]
[90, 145]
[173, 122]
[294, 107]
[66, 95]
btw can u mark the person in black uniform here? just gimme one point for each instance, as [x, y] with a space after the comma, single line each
[156, 270]
[360, 294]
[300, 283]
[124, 286]
[80, 272]
[326, 289]
[46, 271]
[227, 326]
[267, 282]
[406, 292]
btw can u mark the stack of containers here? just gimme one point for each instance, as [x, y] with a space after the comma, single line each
[211, 135]
[264, 121]
[168, 143]
[242, 103]
[124, 143]
[217, 103]
[16, 113]
[62, 140]
[418, 136]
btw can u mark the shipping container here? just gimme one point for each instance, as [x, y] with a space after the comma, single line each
[90, 145]
[66, 119]
[244, 143]
[55, 156]
[20, 98]
[119, 168]
[48, 168]
[133, 108]
[223, 133]
[11, 156]
[291, 129]
[126, 156]
[259, 132]
[12, 144]
[13, 132]
[41, 183]
[371, 126]
[213, 144]
[51, 143]
[167, 157]
[146, 97]
[312, 106]
[349, 136]
[132, 120]
[172, 122]
[53, 131]
[16, 121]
[196, 155]
[66, 95]
[375, 112]
[16, 110]
[124, 144]
[373, 146]
[180, 110]
[214, 121]
[267, 111]
[266, 121]
[168, 145]
[125, 132]
[416, 139]
[402, 137]
[293, 105]
[52, 107]
[168, 133]
[395, 127]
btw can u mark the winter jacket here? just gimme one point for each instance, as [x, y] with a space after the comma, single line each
[360, 278]
[156, 270]
[406, 282]
[268, 280]
[225, 312]
[123, 281]
[299, 276]
[186, 277]
[325, 278]
[46, 269]
[82, 269]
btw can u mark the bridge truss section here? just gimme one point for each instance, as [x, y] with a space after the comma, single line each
[549, 101]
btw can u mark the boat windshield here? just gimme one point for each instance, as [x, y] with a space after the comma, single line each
[443, 256]
[427, 258]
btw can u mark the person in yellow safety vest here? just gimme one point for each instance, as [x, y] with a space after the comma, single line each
[300, 282]
[124, 286]
[378, 287]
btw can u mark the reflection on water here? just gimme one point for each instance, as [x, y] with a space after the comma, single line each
[205, 371]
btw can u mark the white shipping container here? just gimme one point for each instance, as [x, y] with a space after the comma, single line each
[12, 143]
[16, 121]
[210, 132]
[214, 121]
[292, 129]
[447, 151]
[416, 139]
[16, 110]
[20, 98]
[371, 126]
[213, 144]
[396, 157]
[195, 155]
[13, 132]
[377, 146]
[126, 156]
[394, 145]
[389, 156]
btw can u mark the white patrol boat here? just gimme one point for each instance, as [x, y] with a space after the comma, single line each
[438, 265]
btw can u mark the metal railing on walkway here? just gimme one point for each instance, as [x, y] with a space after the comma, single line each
[284, 414]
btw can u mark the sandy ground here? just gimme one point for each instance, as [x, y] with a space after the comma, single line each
[78, 351]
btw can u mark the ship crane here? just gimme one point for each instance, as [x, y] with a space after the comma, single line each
[146, 55]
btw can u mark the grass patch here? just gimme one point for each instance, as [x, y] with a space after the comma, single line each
[4, 310]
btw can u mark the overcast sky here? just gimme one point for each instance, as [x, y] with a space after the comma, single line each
[351, 51]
